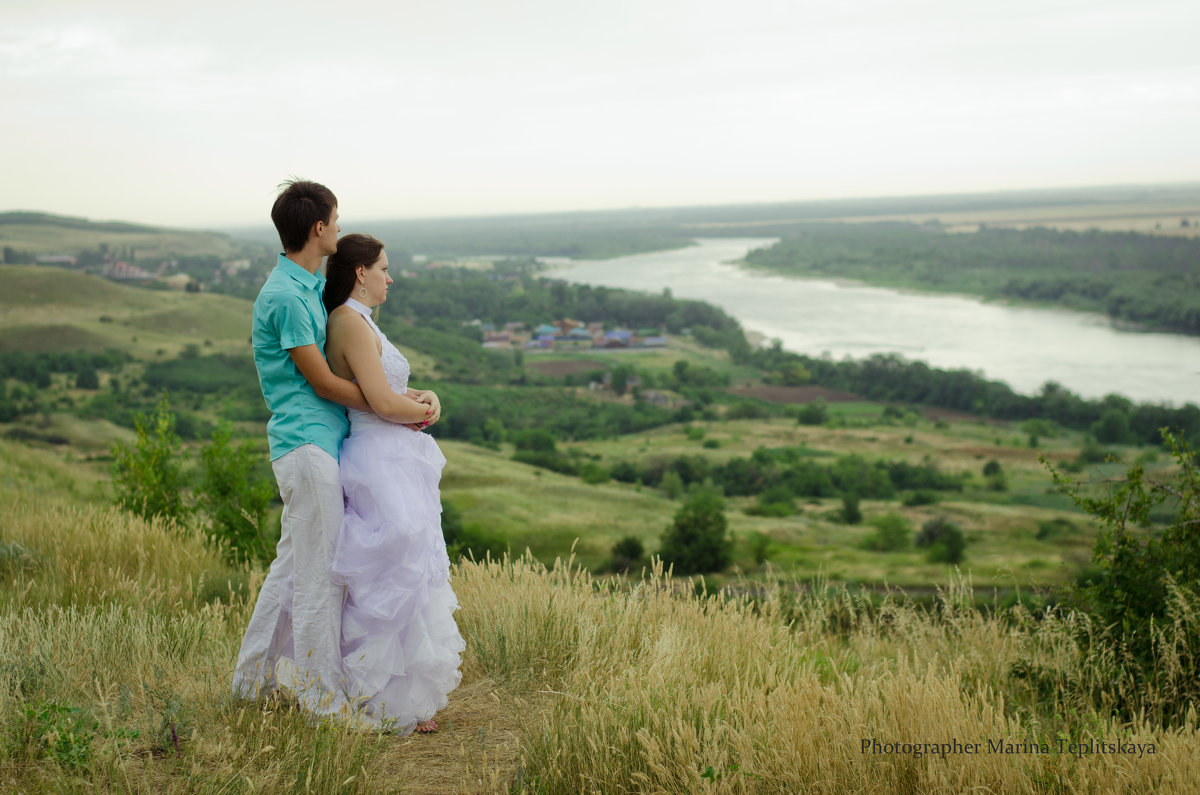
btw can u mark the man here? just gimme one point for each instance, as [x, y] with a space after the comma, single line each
[298, 612]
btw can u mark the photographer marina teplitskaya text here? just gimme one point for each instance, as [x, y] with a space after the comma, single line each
[955, 747]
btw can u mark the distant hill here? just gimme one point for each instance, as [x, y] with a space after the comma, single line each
[54, 309]
[26, 235]
[22, 218]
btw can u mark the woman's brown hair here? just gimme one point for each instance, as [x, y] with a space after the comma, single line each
[341, 268]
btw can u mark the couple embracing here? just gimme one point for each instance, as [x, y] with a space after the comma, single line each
[355, 617]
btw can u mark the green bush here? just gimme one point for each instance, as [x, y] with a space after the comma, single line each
[892, 533]
[235, 495]
[594, 473]
[775, 501]
[148, 474]
[698, 539]
[918, 497]
[471, 540]
[815, 413]
[758, 544]
[671, 485]
[1137, 568]
[850, 513]
[627, 553]
[942, 540]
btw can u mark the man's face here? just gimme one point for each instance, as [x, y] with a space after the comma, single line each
[327, 233]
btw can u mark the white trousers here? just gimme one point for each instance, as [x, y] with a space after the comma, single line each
[300, 622]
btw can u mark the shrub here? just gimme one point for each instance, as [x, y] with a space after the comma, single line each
[698, 539]
[775, 501]
[815, 413]
[87, 379]
[1137, 569]
[471, 540]
[538, 439]
[671, 485]
[624, 471]
[593, 473]
[758, 544]
[236, 496]
[148, 474]
[942, 540]
[992, 468]
[627, 553]
[850, 512]
[892, 533]
[919, 497]
[1053, 527]
[1092, 453]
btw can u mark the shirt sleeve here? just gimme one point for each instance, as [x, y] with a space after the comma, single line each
[294, 322]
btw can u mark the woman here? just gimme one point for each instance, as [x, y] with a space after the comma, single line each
[400, 645]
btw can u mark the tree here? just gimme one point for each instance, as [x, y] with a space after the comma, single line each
[698, 540]
[236, 496]
[148, 474]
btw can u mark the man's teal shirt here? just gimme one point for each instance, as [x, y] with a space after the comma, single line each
[288, 313]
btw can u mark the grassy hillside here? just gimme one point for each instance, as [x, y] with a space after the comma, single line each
[117, 639]
[49, 309]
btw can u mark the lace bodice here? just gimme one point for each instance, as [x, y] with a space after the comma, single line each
[395, 367]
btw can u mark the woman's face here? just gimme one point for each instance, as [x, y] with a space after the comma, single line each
[375, 281]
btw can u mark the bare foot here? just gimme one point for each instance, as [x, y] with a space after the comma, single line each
[427, 726]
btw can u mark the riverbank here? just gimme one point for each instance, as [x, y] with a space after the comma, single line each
[1141, 282]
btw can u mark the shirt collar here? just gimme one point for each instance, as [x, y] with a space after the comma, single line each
[312, 281]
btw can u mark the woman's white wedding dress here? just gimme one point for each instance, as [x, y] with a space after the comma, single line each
[401, 648]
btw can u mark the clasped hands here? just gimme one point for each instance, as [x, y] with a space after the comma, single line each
[429, 398]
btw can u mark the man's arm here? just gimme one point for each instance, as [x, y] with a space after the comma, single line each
[312, 365]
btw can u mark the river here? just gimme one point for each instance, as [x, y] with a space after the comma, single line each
[1022, 346]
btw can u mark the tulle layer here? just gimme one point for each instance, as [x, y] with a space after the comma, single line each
[401, 649]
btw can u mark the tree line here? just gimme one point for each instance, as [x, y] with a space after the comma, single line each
[1151, 280]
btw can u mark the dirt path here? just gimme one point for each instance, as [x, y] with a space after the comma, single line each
[475, 750]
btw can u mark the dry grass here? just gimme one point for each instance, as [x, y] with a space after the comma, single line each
[570, 685]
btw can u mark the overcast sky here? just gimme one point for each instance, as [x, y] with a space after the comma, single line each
[191, 114]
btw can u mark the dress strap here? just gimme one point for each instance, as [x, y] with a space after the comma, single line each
[360, 308]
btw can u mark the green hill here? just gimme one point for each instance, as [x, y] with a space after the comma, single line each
[44, 309]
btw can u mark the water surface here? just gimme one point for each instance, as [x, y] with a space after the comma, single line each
[1022, 346]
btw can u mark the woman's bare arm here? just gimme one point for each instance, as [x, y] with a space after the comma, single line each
[357, 344]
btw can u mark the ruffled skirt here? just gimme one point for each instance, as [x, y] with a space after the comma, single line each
[401, 649]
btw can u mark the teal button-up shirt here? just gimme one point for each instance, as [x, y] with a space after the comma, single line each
[288, 313]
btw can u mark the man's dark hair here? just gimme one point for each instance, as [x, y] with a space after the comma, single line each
[341, 269]
[299, 207]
